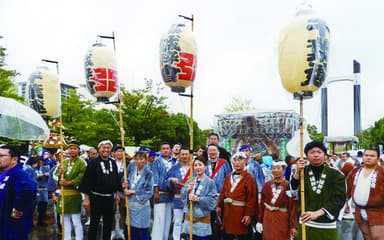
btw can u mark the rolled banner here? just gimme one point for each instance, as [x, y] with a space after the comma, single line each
[178, 57]
[303, 55]
[44, 94]
[101, 72]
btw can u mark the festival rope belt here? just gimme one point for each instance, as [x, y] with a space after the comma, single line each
[234, 202]
[369, 207]
[70, 192]
[206, 219]
[102, 194]
[272, 208]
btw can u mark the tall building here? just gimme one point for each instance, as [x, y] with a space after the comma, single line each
[64, 87]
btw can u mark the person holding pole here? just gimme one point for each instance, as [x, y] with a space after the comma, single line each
[162, 195]
[70, 173]
[176, 179]
[139, 189]
[202, 192]
[325, 194]
[100, 182]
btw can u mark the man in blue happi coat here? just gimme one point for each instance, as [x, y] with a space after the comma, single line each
[17, 196]
[162, 195]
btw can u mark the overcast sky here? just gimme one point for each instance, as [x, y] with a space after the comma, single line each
[237, 49]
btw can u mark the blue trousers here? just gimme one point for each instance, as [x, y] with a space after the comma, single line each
[139, 233]
[18, 229]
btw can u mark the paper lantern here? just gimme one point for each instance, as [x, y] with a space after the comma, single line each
[44, 95]
[303, 55]
[178, 57]
[101, 72]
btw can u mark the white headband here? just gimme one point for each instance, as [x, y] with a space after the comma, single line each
[105, 142]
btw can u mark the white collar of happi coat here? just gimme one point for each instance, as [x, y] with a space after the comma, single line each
[276, 190]
[183, 170]
[198, 187]
[235, 181]
[372, 175]
[136, 177]
[106, 170]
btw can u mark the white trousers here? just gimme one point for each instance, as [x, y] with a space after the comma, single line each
[177, 223]
[162, 216]
[76, 221]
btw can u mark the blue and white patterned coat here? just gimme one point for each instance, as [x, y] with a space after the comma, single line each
[17, 191]
[206, 191]
[42, 193]
[159, 171]
[225, 169]
[139, 207]
[255, 169]
[175, 172]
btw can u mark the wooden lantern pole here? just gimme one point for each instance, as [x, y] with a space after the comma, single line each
[122, 133]
[191, 155]
[191, 161]
[122, 136]
[190, 141]
[61, 153]
[302, 185]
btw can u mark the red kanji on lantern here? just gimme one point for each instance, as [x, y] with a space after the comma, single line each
[101, 73]
[178, 57]
[104, 79]
[186, 65]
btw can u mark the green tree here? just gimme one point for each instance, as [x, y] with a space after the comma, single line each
[7, 86]
[8, 89]
[145, 115]
[179, 131]
[372, 136]
[314, 134]
[86, 124]
[146, 120]
[239, 104]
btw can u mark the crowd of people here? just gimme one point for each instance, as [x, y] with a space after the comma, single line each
[236, 196]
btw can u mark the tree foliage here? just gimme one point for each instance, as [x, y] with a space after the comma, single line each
[8, 89]
[239, 104]
[314, 134]
[372, 136]
[7, 86]
[87, 125]
[146, 120]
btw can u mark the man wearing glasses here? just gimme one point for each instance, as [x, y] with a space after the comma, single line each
[17, 195]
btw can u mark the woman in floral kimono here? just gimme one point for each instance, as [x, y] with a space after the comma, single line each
[139, 190]
[202, 192]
